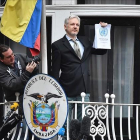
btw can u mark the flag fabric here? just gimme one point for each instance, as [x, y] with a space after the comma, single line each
[21, 22]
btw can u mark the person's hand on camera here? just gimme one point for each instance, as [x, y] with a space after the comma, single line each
[31, 66]
[37, 62]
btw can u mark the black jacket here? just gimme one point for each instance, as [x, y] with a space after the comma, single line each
[74, 77]
[12, 83]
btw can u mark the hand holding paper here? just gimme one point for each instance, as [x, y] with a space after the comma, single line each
[103, 24]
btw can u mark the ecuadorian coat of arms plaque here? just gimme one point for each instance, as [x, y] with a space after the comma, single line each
[45, 106]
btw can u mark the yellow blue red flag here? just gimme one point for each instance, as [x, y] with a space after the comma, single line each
[21, 22]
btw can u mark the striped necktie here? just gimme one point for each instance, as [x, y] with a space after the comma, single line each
[76, 49]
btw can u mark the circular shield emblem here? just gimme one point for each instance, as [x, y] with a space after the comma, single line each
[45, 106]
[103, 31]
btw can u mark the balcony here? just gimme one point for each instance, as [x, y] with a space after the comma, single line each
[107, 118]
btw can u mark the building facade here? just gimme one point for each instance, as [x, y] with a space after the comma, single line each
[115, 72]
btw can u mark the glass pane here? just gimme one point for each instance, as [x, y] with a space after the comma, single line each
[48, 2]
[98, 70]
[139, 33]
[131, 2]
[2, 2]
[123, 68]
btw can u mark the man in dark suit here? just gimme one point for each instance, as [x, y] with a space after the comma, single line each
[74, 77]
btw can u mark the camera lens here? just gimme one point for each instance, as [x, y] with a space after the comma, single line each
[36, 59]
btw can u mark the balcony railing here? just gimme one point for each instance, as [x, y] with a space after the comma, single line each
[104, 115]
[103, 119]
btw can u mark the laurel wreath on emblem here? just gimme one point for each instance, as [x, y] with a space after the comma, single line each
[41, 114]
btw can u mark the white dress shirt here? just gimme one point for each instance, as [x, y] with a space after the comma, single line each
[81, 47]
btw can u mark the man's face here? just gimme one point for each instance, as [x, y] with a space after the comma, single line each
[9, 58]
[72, 28]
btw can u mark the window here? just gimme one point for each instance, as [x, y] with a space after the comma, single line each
[2, 2]
[127, 2]
[115, 72]
[48, 2]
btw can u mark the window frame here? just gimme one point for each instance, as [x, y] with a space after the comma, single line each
[119, 21]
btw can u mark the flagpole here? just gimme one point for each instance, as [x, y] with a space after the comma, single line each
[44, 39]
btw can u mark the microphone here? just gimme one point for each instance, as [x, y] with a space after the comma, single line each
[61, 133]
[74, 129]
[85, 128]
[13, 108]
[9, 124]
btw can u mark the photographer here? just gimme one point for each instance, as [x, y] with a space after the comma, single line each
[15, 71]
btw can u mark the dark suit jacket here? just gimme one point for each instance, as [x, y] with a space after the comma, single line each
[74, 77]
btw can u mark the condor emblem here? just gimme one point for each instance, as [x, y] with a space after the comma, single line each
[45, 106]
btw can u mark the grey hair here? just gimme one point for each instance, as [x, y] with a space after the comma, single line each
[70, 17]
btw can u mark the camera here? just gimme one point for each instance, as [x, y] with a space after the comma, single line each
[35, 59]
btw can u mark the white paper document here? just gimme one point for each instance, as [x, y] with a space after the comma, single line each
[102, 37]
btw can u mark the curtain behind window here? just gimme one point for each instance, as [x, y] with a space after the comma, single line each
[123, 72]
[98, 70]
[131, 2]
[123, 68]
